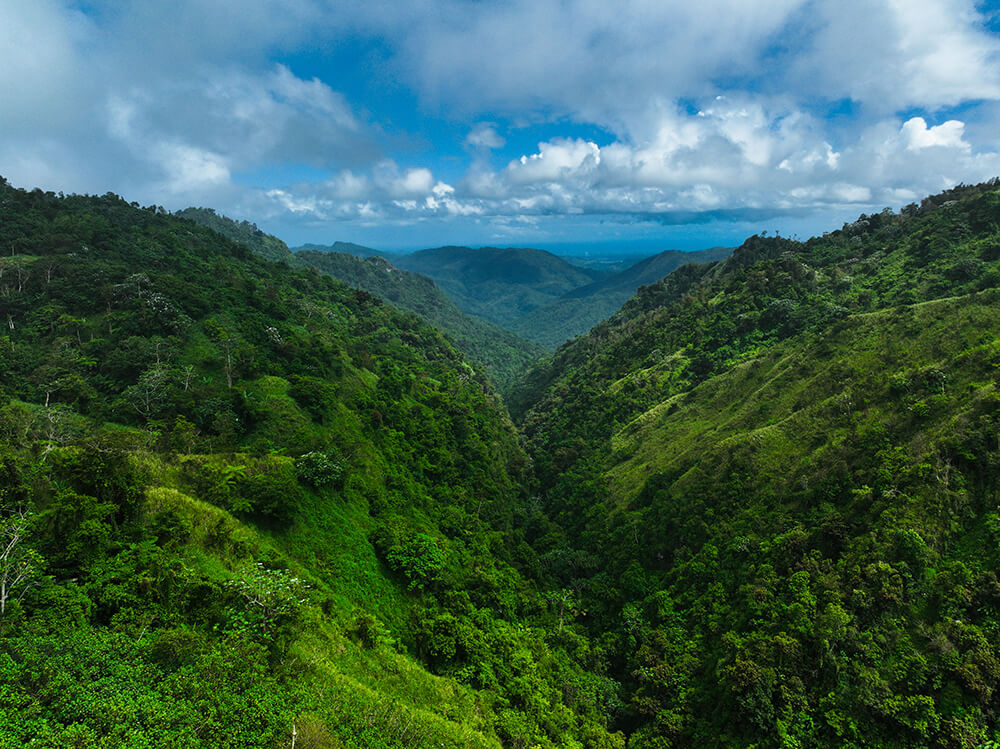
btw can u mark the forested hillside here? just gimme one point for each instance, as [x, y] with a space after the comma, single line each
[246, 233]
[245, 505]
[580, 309]
[773, 483]
[505, 356]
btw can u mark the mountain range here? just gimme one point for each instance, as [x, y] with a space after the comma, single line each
[244, 504]
[539, 296]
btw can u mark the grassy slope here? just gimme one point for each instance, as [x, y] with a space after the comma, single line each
[785, 467]
[505, 355]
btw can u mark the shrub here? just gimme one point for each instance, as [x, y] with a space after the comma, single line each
[321, 469]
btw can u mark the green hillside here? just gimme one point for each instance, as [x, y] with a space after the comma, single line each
[244, 232]
[778, 478]
[499, 285]
[244, 505]
[505, 356]
[580, 309]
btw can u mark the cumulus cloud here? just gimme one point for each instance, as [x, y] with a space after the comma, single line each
[947, 134]
[485, 136]
[893, 55]
[668, 111]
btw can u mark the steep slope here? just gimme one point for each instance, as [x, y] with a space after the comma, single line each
[499, 285]
[348, 248]
[234, 496]
[244, 232]
[580, 309]
[506, 356]
[772, 483]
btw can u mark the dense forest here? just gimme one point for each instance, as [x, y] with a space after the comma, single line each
[244, 504]
[241, 501]
[772, 484]
[505, 356]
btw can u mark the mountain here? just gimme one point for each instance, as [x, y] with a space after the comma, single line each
[646, 271]
[579, 309]
[348, 248]
[244, 232]
[243, 504]
[499, 285]
[772, 483]
[505, 355]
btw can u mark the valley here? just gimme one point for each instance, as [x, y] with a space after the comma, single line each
[483, 498]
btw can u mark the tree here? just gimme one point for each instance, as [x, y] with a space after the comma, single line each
[147, 395]
[19, 564]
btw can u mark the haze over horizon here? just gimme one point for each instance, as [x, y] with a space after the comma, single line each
[543, 124]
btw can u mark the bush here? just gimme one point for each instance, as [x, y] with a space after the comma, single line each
[321, 469]
[420, 560]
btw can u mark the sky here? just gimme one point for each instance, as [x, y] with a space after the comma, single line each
[576, 125]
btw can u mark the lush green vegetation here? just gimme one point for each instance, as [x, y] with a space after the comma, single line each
[772, 484]
[578, 310]
[240, 500]
[244, 232]
[505, 356]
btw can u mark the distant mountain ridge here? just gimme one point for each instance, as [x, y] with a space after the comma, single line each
[506, 355]
[497, 284]
[534, 294]
[349, 248]
[580, 309]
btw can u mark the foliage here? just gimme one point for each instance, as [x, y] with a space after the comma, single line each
[505, 355]
[785, 467]
[758, 506]
[204, 444]
[320, 469]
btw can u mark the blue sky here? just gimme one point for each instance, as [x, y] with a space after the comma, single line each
[548, 123]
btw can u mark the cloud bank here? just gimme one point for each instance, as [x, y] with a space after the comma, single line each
[669, 112]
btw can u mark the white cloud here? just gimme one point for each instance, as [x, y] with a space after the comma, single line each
[293, 204]
[665, 108]
[485, 136]
[190, 169]
[555, 160]
[346, 185]
[947, 134]
[898, 54]
[414, 182]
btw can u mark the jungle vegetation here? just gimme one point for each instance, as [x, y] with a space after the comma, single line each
[244, 504]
